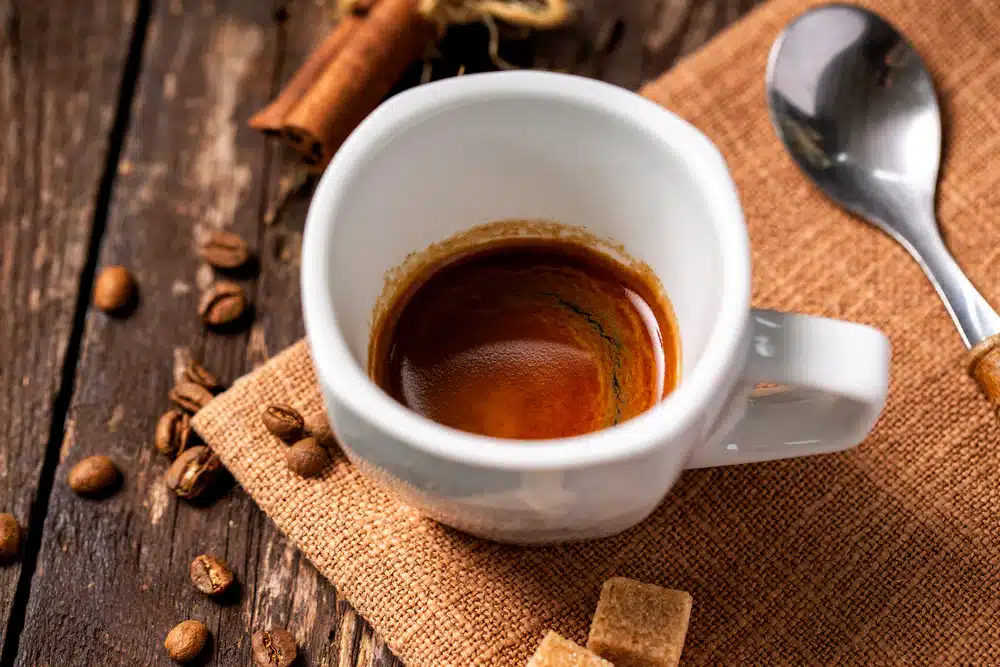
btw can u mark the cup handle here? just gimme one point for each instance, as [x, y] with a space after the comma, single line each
[830, 380]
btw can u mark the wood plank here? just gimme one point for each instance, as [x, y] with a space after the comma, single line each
[206, 68]
[631, 43]
[58, 97]
[112, 576]
[289, 591]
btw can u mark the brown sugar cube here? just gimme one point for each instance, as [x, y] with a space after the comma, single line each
[557, 651]
[639, 625]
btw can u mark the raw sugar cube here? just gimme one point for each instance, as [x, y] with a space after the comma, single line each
[639, 625]
[557, 651]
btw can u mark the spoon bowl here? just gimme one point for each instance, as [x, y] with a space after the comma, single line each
[855, 106]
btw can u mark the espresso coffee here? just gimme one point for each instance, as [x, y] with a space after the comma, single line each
[528, 339]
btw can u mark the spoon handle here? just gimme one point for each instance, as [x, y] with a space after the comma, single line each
[976, 320]
[973, 316]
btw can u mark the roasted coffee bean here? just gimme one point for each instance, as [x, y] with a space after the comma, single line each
[193, 472]
[198, 374]
[211, 575]
[273, 648]
[306, 457]
[186, 641]
[190, 396]
[285, 422]
[94, 476]
[173, 431]
[223, 303]
[10, 539]
[224, 250]
[114, 289]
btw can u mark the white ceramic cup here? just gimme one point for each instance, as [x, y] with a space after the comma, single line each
[444, 157]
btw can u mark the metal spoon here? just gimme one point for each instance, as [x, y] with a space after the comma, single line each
[855, 106]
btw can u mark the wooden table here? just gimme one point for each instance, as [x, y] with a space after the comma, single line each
[125, 139]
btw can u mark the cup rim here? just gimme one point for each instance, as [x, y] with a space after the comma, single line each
[340, 372]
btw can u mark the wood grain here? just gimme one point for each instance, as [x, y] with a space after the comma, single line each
[631, 43]
[57, 107]
[112, 576]
[329, 632]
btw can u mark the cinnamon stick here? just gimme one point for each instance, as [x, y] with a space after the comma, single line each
[270, 119]
[364, 70]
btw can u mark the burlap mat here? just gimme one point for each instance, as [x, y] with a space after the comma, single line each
[888, 554]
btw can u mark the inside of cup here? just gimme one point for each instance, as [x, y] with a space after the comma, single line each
[525, 156]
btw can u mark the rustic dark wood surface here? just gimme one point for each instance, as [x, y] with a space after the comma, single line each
[125, 142]
[62, 66]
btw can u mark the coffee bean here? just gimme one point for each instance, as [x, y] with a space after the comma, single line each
[284, 421]
[114, 289]
[198, 374]
[223, 303]
[224, 250]
[173, 431]
[10, 539]
[306, 457]
[190, 396]
[193, 472]
[273, 648]
[94, 476]
[211, 575]
[186, 641]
